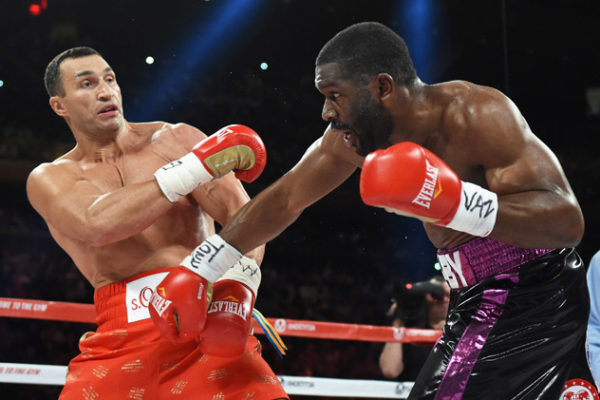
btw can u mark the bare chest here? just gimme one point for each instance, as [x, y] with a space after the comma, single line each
[126, 170]
[458, 153]
[459, 157]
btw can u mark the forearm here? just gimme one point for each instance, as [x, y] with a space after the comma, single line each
[257, 254]
[390, 360]
[222, 199]
[260, 220]
[538, 219]
[125, 212]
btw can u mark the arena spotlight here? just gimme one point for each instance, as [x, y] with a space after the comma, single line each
[416, 21]
[203, 44]
[35, 9]
[1, 83]
[149, 60]
[264, 66]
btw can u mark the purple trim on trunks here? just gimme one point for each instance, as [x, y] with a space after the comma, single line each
[480, 258]
[459, 368]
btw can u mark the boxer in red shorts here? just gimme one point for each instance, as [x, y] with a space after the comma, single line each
[127, 357]
[129, 202]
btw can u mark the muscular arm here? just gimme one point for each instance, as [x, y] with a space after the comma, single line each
[75, 204]
[537, 207]
[221, 199]
[324, 166]
[79, 209]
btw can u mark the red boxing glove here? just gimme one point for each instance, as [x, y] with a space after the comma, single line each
[232, 148]
[178, 305]
[229, 316]
[408, 179]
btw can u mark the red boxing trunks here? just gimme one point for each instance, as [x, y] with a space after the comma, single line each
[127, 358]
[515, 326]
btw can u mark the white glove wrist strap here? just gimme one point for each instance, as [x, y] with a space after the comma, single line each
[477, 211]
[245, 271]
[178, 178]
[212, 258]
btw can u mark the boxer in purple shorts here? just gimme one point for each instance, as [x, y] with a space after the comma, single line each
[513, 334]
[492, 197]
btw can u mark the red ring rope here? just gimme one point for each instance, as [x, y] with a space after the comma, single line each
[86, 313]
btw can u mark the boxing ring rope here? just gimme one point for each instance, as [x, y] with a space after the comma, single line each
[293, 385]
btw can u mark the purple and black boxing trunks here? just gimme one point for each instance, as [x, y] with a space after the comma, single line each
[516, 320]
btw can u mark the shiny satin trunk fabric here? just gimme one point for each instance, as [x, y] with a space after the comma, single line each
[512, 336]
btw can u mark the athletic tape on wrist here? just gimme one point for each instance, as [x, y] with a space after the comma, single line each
[212, 258]
[245, 271]
[477, 211]
[178, 178]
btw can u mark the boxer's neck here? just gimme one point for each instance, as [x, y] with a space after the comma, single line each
[416, 113]
[104, 146]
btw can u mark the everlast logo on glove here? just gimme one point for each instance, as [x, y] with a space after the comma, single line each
[428, 191]
[206, 249]
[159, 303]
[229, 305]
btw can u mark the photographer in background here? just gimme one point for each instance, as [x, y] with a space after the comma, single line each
[420, 305]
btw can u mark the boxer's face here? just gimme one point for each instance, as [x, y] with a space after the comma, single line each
[92, 100]
[373, 123]
[366, 122]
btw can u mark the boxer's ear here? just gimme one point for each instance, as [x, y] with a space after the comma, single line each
[57, 105]
[384, 85]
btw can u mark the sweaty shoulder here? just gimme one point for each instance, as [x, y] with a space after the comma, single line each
[483, 121]
[51, 178]
[68, 163]
[172, 141]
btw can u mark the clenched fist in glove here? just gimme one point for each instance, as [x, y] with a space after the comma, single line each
[232, 148]
[410, 180]
[179, 304]
[229, 316]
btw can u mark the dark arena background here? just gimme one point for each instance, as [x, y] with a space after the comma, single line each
[213, 63]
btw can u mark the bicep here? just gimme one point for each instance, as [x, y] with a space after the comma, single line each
[514, 159]
[536, 205]
[62, 199]
[533, 168]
